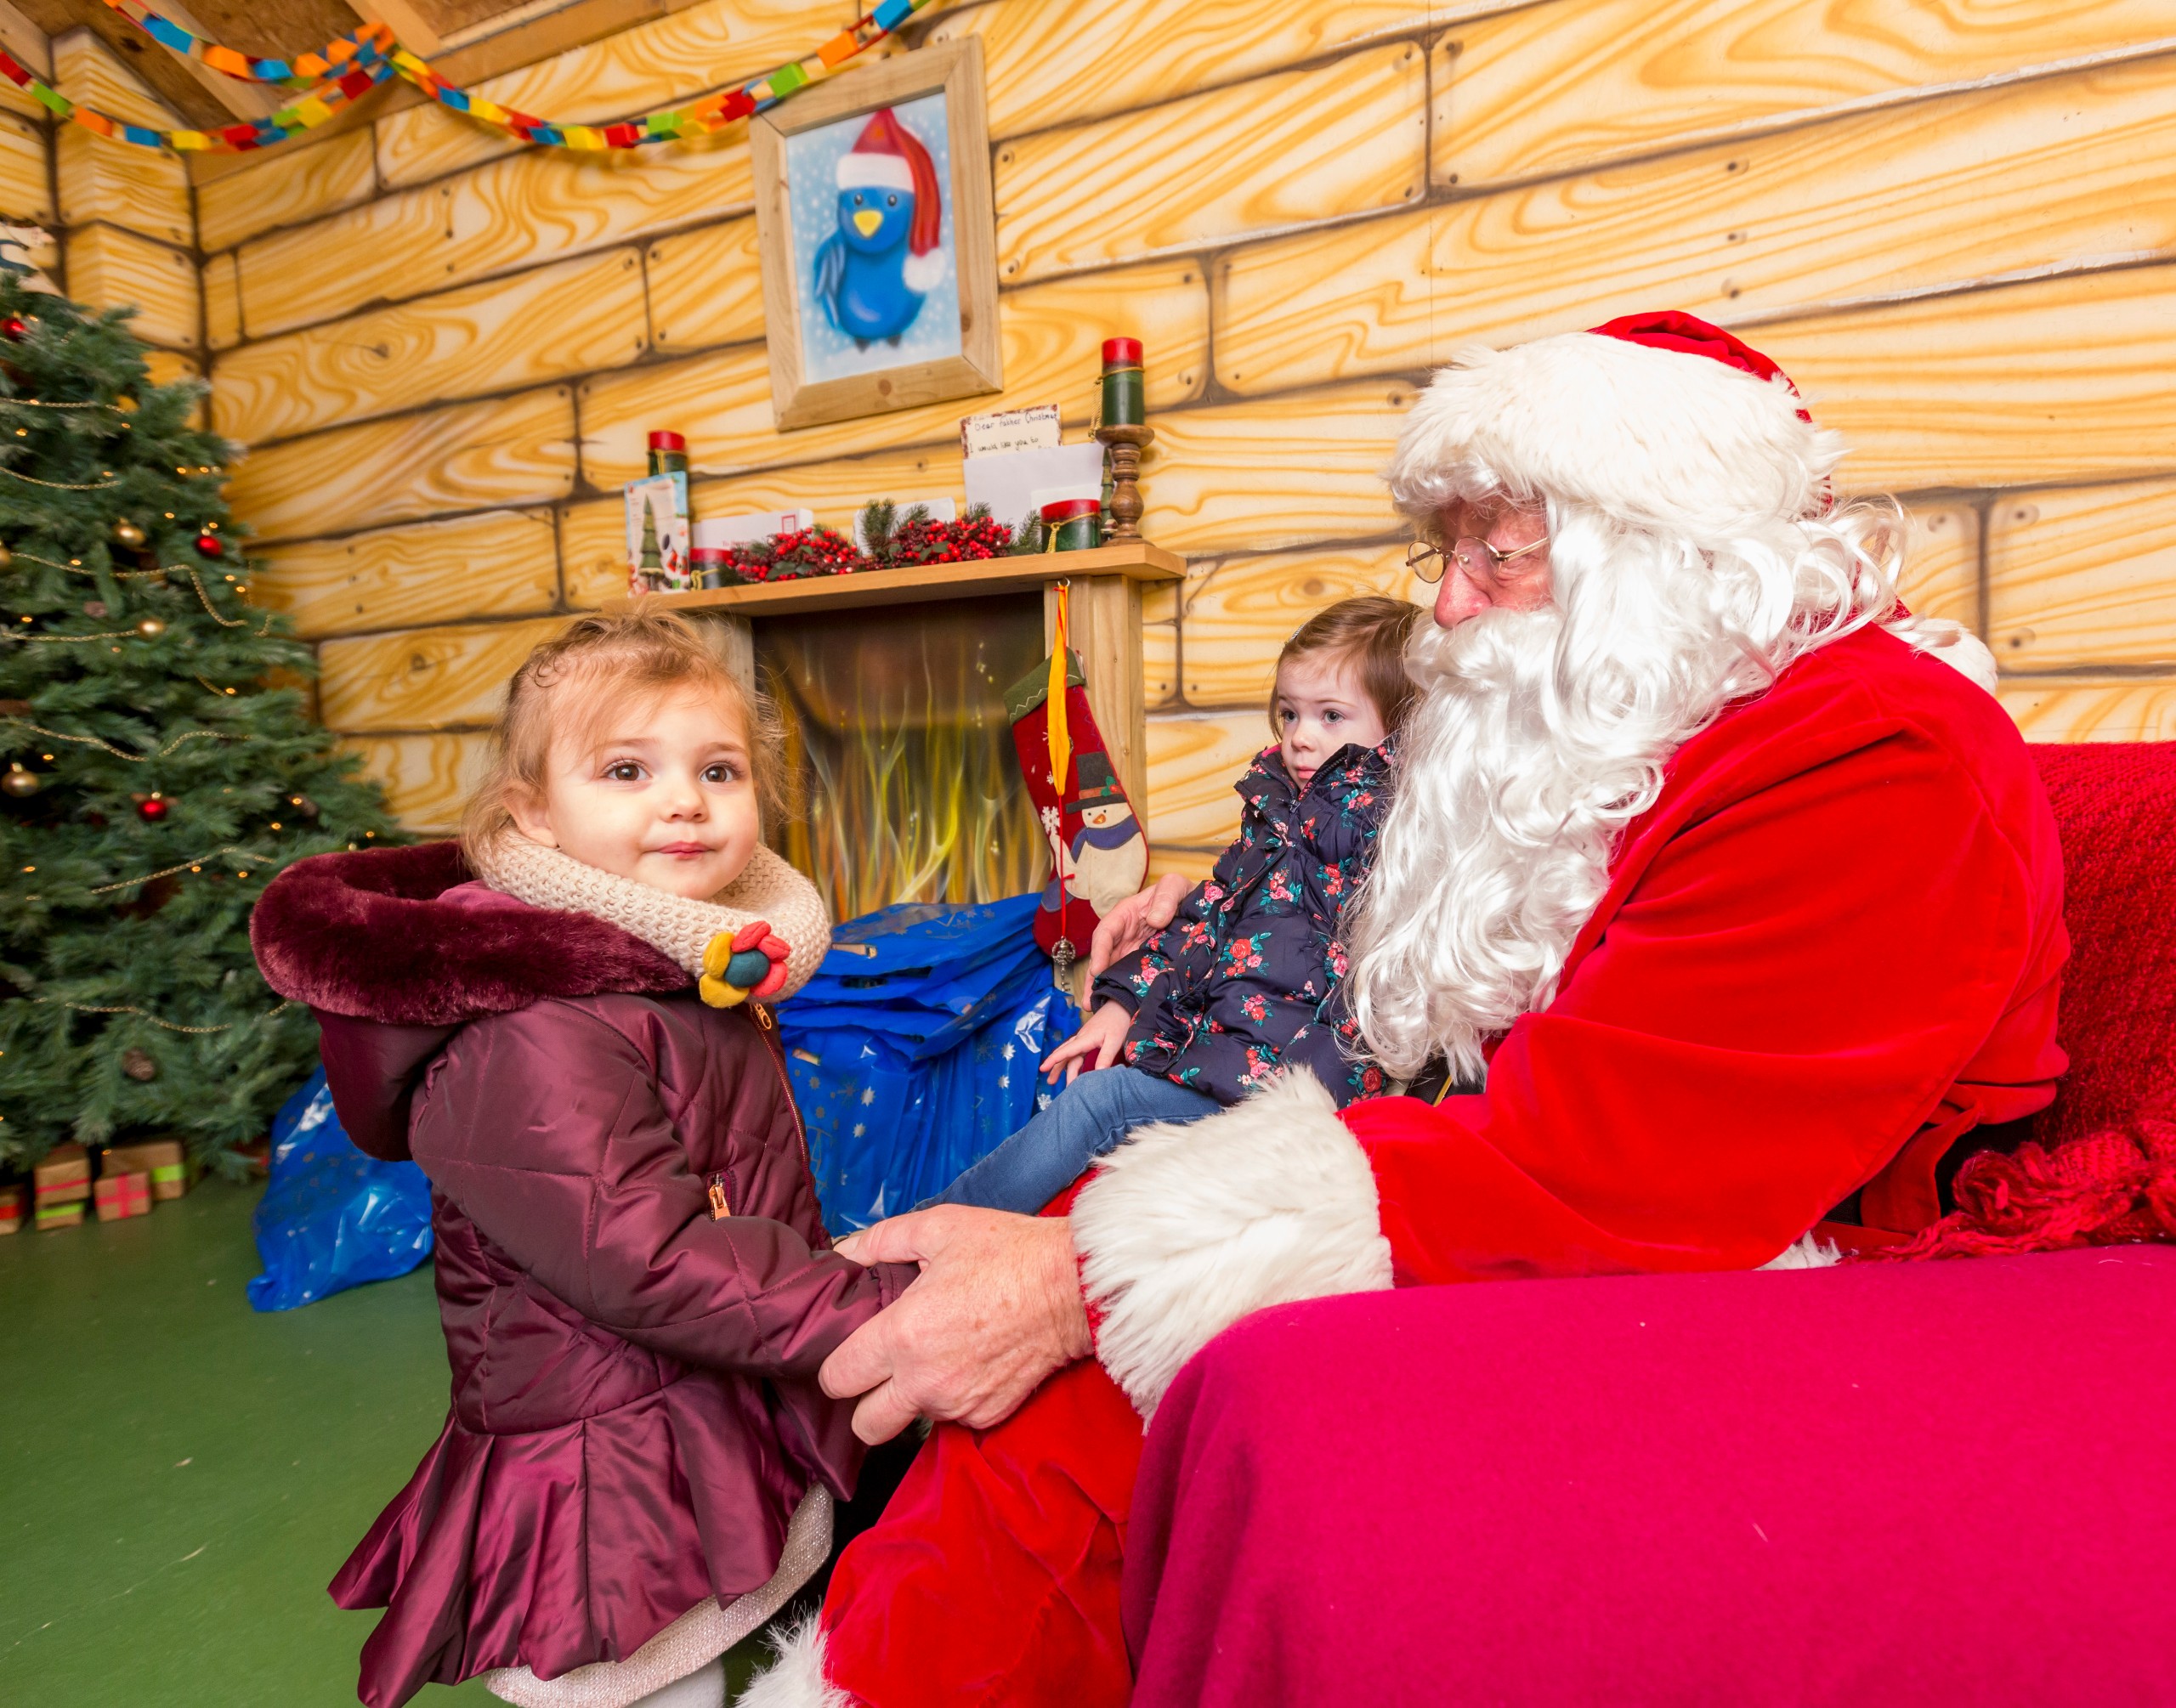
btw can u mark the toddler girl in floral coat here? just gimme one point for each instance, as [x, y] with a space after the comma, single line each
[1246, 979]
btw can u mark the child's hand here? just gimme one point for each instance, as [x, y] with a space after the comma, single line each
[1097, 1044]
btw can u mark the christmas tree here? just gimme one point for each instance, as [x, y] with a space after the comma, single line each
[157, 763]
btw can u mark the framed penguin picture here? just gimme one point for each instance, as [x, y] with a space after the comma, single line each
[879, 250]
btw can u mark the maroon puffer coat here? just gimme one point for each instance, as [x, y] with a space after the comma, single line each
[635, 1407]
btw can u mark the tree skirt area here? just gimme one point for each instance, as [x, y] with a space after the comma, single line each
[184, 1475]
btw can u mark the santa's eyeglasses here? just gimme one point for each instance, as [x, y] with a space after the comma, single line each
[1474, 557]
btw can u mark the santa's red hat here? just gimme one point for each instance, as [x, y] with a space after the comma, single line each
[887, 155]
[1660, 419]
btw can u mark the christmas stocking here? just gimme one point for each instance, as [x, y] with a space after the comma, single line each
[1099, 855]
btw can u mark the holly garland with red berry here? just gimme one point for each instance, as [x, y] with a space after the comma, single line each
[912, 537]
[154, 776]
[894, 539]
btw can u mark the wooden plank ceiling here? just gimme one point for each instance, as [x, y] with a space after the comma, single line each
[272, 29]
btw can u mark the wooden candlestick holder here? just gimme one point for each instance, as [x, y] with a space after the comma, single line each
[1126, 444]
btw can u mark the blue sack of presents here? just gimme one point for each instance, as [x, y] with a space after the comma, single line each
[913, 1050]
[331, 1218]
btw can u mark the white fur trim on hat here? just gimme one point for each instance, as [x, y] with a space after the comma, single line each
[864, 169]
[796, 1679]
[1656, 437]
[1186, 1229]
[923, 273]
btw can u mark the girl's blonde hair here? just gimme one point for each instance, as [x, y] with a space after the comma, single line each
[593, 667]
[1371, 633]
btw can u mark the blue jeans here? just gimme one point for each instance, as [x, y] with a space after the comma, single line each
[1084, 1121]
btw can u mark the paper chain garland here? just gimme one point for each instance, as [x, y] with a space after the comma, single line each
[366, 58]
[353, 64]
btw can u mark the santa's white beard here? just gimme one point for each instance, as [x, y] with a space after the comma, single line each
[1492, 855]
[1541, 735]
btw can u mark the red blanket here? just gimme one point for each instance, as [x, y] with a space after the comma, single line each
[1893, 1484]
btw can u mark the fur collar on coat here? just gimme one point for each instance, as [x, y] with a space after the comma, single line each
[364, 935]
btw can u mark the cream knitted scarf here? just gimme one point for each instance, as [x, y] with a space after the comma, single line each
[769, 889]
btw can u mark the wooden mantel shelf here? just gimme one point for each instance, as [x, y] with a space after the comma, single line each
[1134, 561]
[1104, 627]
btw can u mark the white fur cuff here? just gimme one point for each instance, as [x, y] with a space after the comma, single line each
[1807, 1252]
[1186, 1229]
[796, 1679]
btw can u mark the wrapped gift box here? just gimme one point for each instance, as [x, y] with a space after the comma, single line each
[172, 1171]
[11, 1208]
[63, 1178]
[123, 1196]
[60, 1185]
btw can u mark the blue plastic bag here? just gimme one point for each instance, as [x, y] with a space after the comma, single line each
[913, 1050]
[331, 1218]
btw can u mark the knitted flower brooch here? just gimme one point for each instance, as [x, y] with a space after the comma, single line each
[750, 962]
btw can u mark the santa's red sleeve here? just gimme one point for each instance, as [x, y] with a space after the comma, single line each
[1798, 975]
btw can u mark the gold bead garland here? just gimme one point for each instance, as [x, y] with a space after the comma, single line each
[122, 753]
[227, 622]
[6, 556]
[196, 865]
[197, 1031]
[62, 485]
[139, 633]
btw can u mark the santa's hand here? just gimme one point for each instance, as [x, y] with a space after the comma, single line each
[996, 1310]
[1098, 1043]
[1135, 920]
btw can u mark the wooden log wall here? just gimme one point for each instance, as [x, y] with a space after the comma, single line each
[123, 219]
[1951, 220]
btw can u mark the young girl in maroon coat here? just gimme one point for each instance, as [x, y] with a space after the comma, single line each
[636, 1288]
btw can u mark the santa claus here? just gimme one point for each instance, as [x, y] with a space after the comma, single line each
[1725, 880]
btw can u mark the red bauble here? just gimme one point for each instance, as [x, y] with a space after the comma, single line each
[151, 811]
[16, 327]
[211, 544]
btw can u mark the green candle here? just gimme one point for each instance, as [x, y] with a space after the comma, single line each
[668, 454]
[1124, 402]
[1074, 524]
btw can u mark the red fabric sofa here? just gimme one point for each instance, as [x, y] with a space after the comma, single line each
[1880, 1484]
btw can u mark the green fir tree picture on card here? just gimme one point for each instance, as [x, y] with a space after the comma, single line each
[157, 761]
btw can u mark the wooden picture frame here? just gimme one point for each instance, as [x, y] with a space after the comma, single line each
[821, 371]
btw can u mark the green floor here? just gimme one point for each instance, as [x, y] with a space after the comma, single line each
[184, 1475]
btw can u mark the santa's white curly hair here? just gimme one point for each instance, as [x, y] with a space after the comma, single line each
[1694, 552]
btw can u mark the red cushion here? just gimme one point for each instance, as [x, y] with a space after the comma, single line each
[2115, 805]
[1870, 1486]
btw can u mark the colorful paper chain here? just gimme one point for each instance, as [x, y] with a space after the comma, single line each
[352, 64]
[307, 68]
[368, 61]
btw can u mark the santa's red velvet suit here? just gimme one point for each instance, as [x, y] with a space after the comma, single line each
[1830, 947]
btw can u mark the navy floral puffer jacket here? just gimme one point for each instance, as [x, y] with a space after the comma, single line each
[1248, 977]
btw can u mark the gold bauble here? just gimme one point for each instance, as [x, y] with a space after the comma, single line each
[127, 533]
[6, 556]
[150, 628]
[21, 783]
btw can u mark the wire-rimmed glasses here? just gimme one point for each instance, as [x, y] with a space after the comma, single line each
[1476, 558]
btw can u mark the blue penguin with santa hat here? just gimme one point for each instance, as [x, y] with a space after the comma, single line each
[874, 272]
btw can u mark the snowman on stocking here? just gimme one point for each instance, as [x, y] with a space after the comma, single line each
[1099, 854]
